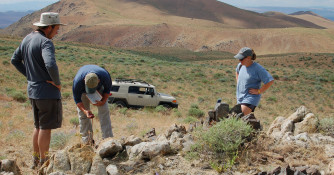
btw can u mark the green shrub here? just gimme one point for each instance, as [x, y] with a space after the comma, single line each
[160, 108]
[326, 126]
[190, 119]
[177, 113]
[226, 136]
[18, 96]
[66, 95]
[5, 62]
[59, 140]
[195, 111]
[123, 110]
[276, 77]
[75, 121]
[272, 99]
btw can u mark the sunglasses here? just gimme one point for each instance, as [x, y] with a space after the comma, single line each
[242, 59]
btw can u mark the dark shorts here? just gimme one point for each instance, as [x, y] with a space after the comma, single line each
[252, 107]
[48, 113]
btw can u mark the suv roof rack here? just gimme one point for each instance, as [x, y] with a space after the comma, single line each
[130, 80]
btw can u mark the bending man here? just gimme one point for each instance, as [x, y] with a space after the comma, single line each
[88, 80]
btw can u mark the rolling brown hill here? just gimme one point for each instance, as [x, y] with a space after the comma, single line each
[198, 25]
[314, 18]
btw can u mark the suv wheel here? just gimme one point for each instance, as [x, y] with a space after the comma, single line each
[120, 104]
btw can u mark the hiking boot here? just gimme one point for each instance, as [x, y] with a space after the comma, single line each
[42, 161]
[35, 162]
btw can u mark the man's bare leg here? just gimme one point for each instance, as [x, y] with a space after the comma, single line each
[36, 148]
[44, 138]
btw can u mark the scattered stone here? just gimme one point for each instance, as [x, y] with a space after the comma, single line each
[98, 166]
[10, 166]
[112, 170]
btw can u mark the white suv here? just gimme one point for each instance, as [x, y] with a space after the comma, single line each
[138, 93]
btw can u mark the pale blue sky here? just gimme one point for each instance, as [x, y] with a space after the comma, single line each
[281, 3]
[24, 5]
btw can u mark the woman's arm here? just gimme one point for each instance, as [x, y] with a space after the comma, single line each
[262, 89]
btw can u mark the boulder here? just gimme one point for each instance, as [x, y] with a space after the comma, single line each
[276, 125]
[61, 161]
[132, 140]
[148, 150]
[81, 158]
[188, 142]
[221, 111]
[98, 166]
[109, 148]
[112, 170]
[10, 166]
[308, 124]
[299, 114]
[330, 169]
[251, 120]
[173, 128]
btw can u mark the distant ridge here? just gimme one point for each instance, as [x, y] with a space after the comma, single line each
[304, 13]
[197, 25]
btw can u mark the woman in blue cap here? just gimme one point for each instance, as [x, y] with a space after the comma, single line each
[249, 76]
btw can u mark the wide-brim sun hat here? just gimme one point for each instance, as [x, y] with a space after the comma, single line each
[48, 19]
[243, 53]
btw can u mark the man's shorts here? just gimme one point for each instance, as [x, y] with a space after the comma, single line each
[48, 113]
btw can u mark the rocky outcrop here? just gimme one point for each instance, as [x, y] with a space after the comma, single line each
[299, 128]
[84, 159]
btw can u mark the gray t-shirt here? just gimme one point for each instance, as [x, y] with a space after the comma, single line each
[251, 77]
[35, 59]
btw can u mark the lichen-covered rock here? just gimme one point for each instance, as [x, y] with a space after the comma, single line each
[81, 158]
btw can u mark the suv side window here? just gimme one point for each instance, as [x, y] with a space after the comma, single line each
[114, 88]
[134, 90]
[149, 91]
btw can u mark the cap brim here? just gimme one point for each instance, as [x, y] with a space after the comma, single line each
[239, 56]
[90, 90]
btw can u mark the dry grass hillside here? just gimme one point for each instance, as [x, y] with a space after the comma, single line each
[195, 25]
[314, 18]
[301, 79]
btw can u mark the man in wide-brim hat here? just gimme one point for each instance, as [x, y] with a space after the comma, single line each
[35, 59]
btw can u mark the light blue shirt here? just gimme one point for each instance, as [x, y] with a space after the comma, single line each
[251, 77]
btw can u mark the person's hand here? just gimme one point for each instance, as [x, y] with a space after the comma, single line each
[254, 91]
[99, 103]
[89, 114]
[57, 86]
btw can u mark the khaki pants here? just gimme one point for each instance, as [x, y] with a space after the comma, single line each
[86, 129]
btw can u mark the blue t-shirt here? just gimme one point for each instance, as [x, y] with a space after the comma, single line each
[79, 81]
[251, 77]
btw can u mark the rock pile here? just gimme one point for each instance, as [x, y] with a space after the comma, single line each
[83, 159]
[299, 129]
[222, 111]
